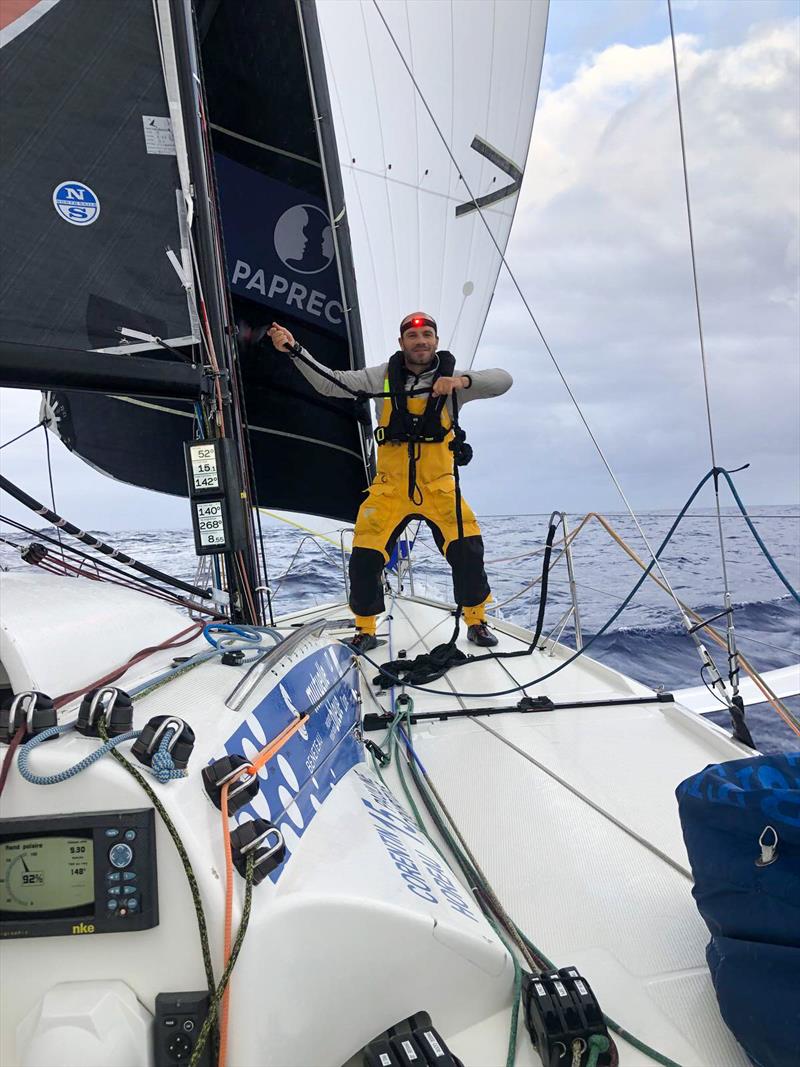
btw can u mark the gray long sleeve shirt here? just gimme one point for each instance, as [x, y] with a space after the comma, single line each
[483, 383]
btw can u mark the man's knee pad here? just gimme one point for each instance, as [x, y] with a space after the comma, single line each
[470, 583]
[366, 587]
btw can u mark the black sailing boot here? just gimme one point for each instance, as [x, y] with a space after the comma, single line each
[364, 642]
[480, 634]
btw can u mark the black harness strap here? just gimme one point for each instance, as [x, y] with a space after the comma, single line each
[404, 427]
[414, 430]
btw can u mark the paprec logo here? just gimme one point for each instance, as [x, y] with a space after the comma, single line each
[304, 239]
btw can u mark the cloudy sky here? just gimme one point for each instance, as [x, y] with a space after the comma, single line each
[600, 247]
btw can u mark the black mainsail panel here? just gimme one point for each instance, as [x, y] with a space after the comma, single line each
[88, 182]
[285, 260]
[92, 200]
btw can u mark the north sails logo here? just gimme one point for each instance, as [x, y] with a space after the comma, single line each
[76, 203]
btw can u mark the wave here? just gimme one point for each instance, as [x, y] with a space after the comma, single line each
[781, 614]
[768, 634]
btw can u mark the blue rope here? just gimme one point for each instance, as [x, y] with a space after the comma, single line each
[757, 535]
[70, 772]
[246, 633]
[163, 766]
[200, 657]
[595, 636]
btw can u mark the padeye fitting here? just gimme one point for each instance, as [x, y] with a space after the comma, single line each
[106, 702]
[243, 786]
[179, 745]
[261, 839]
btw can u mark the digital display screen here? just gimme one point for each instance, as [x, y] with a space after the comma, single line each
[49, 873]
[203, 460]
[210, 523]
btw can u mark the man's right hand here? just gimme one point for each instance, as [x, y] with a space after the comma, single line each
[281, 337]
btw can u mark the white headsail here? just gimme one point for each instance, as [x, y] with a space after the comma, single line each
[477, 64]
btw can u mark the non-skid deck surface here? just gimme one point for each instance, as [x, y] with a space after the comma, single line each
[573, 817]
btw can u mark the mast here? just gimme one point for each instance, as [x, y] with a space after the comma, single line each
[241, 567]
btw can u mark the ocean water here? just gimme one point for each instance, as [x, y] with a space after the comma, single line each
[647, 641]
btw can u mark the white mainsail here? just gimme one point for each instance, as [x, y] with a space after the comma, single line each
[478, 67]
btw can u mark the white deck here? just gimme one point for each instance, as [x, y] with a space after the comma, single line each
[571, 814]
[573, 817]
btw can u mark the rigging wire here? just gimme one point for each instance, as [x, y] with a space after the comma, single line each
[50, 479]
[703, 652]
[124, 578]
[263, 586]
[570, 659]
[732, 655]
[41, 422]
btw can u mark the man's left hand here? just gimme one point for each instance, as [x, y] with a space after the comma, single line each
[445, 386]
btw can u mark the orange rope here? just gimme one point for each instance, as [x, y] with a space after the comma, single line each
[715, 636]
[274, 746]
[263, 757]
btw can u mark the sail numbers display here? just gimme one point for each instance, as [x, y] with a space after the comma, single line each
[210, 523]
[203, 465]
[218, 503]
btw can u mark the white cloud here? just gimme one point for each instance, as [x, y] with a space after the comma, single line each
[600, 247]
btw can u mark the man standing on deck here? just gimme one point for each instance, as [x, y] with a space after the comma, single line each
[415, 468]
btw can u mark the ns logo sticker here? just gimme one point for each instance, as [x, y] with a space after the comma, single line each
[76, 203]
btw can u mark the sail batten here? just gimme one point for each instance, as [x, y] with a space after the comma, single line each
[34, 367]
